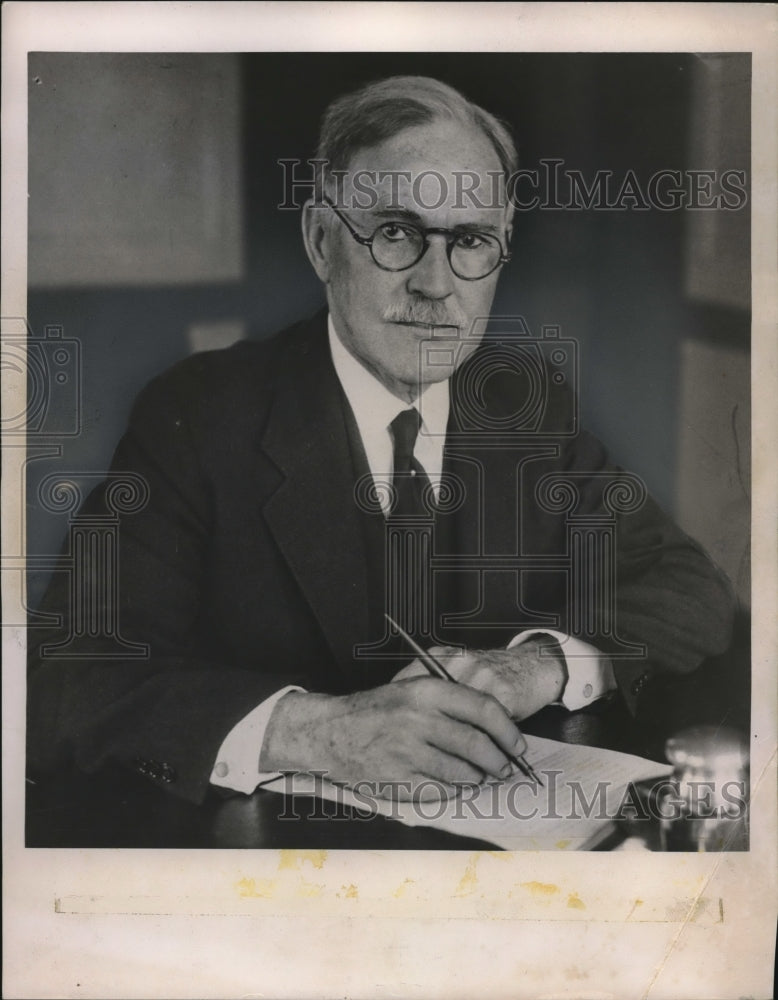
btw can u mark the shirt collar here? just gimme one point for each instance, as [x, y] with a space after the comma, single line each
[373, 405]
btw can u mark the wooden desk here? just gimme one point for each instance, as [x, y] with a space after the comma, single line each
[118, 808]
[121, 809]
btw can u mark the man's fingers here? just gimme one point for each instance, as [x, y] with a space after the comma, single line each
[414, 669]
[466, 704]
[428, 788]
[440, 651]
[449, 733]
[442, 766]
[462, 752]
[485, 712]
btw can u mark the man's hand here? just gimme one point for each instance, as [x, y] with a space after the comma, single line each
[522, 678]
[402, 734]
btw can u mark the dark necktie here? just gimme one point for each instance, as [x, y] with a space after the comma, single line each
[409, 538]
[410, 481]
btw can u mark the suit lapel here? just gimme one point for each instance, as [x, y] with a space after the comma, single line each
[317, 526]
[312, 515]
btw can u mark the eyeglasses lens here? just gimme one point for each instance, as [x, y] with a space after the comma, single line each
[471, 256]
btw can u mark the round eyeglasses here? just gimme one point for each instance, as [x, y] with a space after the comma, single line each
[396, 246]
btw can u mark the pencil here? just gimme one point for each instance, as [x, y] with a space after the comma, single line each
[436, 667]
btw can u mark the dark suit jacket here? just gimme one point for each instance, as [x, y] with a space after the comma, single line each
[247, 569]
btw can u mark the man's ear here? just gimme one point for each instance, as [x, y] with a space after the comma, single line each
[316, 237]
[509, 226]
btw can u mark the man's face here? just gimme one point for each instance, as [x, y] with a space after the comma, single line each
[389, 319]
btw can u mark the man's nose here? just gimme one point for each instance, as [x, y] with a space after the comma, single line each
[432, 275]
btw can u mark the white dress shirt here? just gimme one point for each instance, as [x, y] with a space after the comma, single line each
[374, 409]
[589, 674]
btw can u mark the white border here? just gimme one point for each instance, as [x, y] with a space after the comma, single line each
[285, 923]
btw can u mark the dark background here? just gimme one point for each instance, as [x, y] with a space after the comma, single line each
[658, 301]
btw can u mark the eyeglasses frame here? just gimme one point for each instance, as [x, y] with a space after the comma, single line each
[450, 234]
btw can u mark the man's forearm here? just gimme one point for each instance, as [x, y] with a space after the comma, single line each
[292, 740]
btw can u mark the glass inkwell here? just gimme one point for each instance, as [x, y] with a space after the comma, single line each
[703, 805]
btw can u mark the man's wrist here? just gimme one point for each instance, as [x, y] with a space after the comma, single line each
[542, 654]
[236, 763]
[589, 673]
[290, 733]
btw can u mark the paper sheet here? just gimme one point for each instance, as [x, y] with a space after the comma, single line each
[583, 789]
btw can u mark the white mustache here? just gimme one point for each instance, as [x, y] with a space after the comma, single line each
[426, 312]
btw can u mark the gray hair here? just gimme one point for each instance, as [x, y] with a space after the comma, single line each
[384, 108]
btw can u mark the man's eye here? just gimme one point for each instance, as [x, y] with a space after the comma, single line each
[471, 241]
[395, 233]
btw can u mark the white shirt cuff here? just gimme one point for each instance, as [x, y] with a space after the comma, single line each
[589, 673]
[237, 762]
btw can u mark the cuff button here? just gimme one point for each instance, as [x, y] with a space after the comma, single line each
[167, 773]
[588, 691]
[221, 770]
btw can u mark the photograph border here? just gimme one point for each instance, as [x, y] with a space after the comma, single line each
[215, 923]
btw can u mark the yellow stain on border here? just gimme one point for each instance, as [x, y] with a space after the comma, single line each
[469, 880]
[402, 888]
[574, 902]
[309, 890]
[252, 888]
[350, 891]
[540, 888]
[635, 905]
[293, 859]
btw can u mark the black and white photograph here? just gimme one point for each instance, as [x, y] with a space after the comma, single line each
[383, 431]
[260, 352]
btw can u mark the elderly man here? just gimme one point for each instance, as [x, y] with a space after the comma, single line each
[260, 569]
